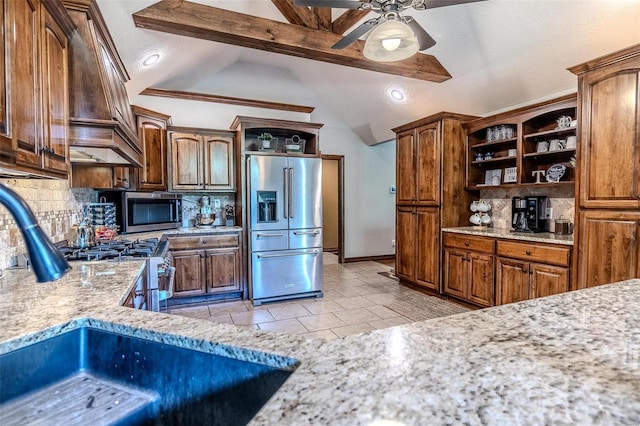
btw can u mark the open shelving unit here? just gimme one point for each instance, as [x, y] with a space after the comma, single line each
[490, 155]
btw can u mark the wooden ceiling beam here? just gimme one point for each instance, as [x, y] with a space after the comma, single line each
[205, 97]
[297, 15]
[324, 17]
[224, 26]
[347, 20]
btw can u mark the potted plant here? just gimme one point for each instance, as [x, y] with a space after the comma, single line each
[265, 140]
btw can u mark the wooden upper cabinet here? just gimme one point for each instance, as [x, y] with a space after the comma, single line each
[152, 136]
[418, 166]
[202, 161]
[6, 148]
[55, 111]
[609, 148]
[25, 87]
[218, 159]
[609, 247]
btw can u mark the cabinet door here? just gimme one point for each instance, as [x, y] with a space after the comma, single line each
[223, 270]
[405, 168]
[427, 247]
[218, 159]
[190, 272]
[5, 143]
[405, 243]
[54, 95]
[480, 290]
[25, 87]
[152, 135]
[427, 165]
[608, 250]
[610, 157]
[512, 280]
[186, 161]
[547, 280]
[455, 272]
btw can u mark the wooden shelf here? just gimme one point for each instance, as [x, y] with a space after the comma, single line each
[522, 185]
[493, 143]
[551, 132]
[548, 154]
[493, 160]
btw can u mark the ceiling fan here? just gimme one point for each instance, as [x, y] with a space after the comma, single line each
[394, 36]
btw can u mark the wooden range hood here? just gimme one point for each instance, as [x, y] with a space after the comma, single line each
[101, 124]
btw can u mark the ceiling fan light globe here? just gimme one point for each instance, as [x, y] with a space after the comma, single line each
[391, 44]
[380, 42]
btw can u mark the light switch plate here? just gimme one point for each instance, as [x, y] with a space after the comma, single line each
[216, 203]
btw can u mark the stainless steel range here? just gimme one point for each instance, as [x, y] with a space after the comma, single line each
[154, 285]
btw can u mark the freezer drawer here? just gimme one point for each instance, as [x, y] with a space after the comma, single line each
[305, 238]
[281, 273]
[269, 240]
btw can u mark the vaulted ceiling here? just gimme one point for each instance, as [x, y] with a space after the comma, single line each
[499, 54]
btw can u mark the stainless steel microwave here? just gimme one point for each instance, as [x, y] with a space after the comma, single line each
[145, 211]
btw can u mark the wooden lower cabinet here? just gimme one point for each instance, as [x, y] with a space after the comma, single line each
[469, 276]
[418, 238]
[206, 265]
[518, 280]
[609, 249]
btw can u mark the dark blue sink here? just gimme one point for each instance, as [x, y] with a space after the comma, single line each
[104, 377]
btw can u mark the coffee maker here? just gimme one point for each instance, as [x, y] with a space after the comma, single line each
[530, 214]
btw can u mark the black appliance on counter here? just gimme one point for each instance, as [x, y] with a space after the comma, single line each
[530, 214]
[145, 211]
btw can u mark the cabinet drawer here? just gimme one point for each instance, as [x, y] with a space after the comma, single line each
[535, 252]
[204, 241]
[469, 242]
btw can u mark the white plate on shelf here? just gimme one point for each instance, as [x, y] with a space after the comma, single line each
[555, 173]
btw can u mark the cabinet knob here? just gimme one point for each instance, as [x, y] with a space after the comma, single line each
[528, 252]
[204, 241]
[466, 243]
[524, 269]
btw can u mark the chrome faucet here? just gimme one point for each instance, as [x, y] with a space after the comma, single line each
[47, 261]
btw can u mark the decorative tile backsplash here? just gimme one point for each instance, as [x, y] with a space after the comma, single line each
[55, 206]
[561, 198]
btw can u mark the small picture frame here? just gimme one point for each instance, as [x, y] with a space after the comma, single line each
[510, 174]
[493, 177]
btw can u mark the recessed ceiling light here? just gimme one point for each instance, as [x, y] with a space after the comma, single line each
[151, 59]
[396, 94]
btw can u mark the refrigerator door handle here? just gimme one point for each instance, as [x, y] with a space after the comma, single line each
[286, 192]
[291, 189]
[271, 234]
[293, 253]
[314, 232]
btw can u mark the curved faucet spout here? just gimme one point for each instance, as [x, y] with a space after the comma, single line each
[47, 261]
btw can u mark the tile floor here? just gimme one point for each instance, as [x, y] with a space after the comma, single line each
[354, 298]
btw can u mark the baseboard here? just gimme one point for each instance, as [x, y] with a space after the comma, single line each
[372, 258]
[333, 250]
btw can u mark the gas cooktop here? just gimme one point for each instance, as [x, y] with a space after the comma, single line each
[117, 249]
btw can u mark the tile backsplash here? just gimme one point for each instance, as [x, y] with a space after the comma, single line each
[55, 206]
[561, 198]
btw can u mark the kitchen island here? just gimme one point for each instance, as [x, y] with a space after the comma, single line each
[572, 358]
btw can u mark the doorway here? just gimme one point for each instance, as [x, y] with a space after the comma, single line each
[332, 204]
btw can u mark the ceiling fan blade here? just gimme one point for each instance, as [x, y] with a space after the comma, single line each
[424, 39]
[432, 4]
[342, 4]
[356, 33]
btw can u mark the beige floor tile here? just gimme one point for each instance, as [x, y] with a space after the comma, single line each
[354, 302]
[223, 319]
[332, 294]
[216, 309]
[349, 330]
[287, 311]
[191, 311]
[384, 298]
[321, 322]
[322, 307]
[288, 326]
[251, 317]
[389, 322]
[357, 316]
[322, 334]
[383, 312]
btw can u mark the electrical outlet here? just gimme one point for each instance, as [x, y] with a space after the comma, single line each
[216, 203]
[549, 213]
[393, 243]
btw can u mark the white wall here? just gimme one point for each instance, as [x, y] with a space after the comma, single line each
[369, 171]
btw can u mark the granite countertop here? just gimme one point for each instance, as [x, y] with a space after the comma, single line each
[541, 237]
[572, 358]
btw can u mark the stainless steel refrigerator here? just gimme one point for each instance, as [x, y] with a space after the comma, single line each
[285, 225]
